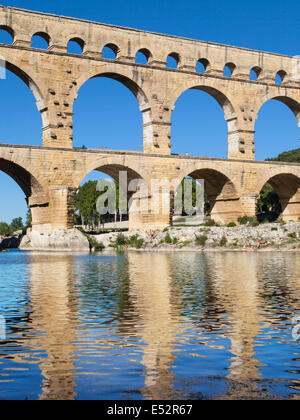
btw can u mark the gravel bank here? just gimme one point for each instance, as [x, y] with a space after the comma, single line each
[282, 236]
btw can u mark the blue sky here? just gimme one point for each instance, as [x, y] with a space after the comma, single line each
[198, 121]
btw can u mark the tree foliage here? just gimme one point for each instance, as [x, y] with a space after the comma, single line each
[86, 212]
[268, 200]
[85, 202]
[17, 223]
[8, 230]
[28, 221]
[290, 156]
[5, 229]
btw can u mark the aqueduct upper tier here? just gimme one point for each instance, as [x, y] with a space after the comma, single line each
[55, 76]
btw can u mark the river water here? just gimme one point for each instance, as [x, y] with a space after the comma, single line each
[150, 326]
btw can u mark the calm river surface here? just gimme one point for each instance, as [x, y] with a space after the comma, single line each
[149, 326]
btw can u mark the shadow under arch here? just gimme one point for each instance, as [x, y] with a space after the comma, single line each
[222, 100]
[287, 187]
[221, 194]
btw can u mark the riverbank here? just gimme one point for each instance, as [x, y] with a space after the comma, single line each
[269, 236]
[278, 236]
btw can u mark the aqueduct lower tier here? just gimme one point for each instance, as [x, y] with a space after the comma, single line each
[51, 176]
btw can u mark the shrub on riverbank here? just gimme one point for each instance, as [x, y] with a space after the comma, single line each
[210, 223]
[201, 240]
[223, 241]
[132, 242]
[135, 242]
[240, 236]
[246, 219]
[94, 245]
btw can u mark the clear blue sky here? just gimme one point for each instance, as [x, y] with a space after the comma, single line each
[198, 122]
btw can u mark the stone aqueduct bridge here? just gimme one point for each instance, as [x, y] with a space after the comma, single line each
[50, 175]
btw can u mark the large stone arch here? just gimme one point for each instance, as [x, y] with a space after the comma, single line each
[131, 78]
[219, 94]
[32, 84]
[111, 165]
[216, 92]
[25, 179]
[222, 193]
[292, 103]
[133, 181]
[36, 196]
[287, 187]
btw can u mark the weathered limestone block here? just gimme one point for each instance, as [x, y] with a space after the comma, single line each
[57, 240]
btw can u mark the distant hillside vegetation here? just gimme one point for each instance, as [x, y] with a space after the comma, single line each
[291, 156]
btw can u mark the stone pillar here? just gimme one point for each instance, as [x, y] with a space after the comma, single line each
[188, 64]
[291, 207]
[249, 204]
[158, 59]
[150, 211]
[39, 207]
[241, 130]
[91, 50]
[22, 39]
[267, 77]
[157, 129]
[242, 72]
[241, 145]
[58, 125]
[62, 207]
[225, 210]
[57, 46]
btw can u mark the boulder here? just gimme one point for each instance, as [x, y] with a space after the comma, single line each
[9, 243]
[58, 240]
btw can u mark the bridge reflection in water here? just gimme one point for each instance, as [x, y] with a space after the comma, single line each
[159, 326]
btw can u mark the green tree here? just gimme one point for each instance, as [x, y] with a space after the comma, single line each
[28, 222]
[17, 223]
[86, 201]
[5, 229]
[268, 200]
[290, 156]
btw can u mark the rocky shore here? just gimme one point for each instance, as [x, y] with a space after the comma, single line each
[279, 236]
[13, 242]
